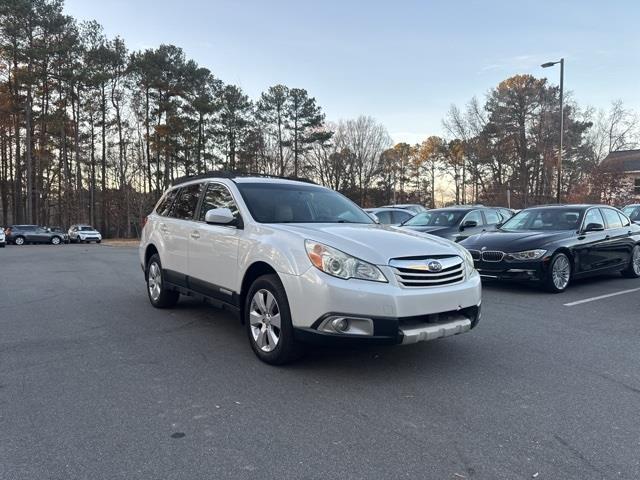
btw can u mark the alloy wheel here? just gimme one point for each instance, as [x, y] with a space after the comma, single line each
[264, 320]
[55, 240]
[19, 241]
[561, 272]
[154, 281]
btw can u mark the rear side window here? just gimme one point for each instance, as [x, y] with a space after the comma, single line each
[492, 217]
[625, 221]
[475, 216]
[164, 207]
[400, 217]
[185, 205]
[612, 218]
[384, 217]
[217, 196]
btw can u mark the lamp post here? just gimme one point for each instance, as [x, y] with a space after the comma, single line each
[547, 65]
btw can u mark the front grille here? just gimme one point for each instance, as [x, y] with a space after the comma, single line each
[415, 273]
[492, 256]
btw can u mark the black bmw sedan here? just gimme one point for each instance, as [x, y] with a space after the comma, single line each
[554, 244]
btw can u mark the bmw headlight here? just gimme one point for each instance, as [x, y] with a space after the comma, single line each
[528, 255]
[339, 264]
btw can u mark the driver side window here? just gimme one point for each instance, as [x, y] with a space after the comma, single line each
[217, 196]
[593, 216]
[474, 216]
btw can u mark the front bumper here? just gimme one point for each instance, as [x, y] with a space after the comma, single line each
[394, 331]
[399, 314]
[534, 270]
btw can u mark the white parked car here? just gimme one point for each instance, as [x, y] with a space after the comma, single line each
[84, 233]
[300, 262]
[3, 238]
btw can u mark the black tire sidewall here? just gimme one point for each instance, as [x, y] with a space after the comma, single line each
[629, 272]
[167, 298]
[286, 350]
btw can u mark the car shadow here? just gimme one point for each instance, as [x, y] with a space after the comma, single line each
[349, 362]
[530, 288]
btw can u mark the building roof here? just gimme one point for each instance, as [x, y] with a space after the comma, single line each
[626, 160]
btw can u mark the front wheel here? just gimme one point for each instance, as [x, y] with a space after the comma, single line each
[159, 295]
[55, 241]
[558, 274]
[633, 269]
[98, 241]
[268, 320]
[19, 241]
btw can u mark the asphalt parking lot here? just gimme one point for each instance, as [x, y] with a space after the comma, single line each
[95, 383]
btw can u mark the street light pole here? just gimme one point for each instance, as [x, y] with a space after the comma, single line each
[546, 65]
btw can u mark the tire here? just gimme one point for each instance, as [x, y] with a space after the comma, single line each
[271, 340]
[56, 240]
[159, 295]
[19, 241]
[558, 282]
[98, 241]
[633, 269]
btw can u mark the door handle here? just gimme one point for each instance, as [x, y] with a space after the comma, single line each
[195, 235]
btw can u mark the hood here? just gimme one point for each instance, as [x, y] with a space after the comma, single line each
[375, 244]
[440, 231]
[506, 241]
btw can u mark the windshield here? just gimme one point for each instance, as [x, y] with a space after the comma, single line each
[86, 229]
[433, 218]
[633, 212]
[543, 219]
[299, 203]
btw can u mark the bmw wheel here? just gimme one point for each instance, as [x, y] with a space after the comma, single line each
[633, 269]
[159, 295]
[558, 274]
[268, 320]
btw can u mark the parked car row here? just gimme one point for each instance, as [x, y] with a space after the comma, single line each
[25, 234]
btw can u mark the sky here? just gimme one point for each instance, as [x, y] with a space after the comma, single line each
[402, 62]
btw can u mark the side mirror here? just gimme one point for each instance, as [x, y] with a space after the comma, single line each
[594, 227]
[468, 224]
[219, 216]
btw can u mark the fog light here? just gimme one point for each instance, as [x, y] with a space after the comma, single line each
[340, 324]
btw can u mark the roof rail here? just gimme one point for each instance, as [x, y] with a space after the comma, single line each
[231, 175]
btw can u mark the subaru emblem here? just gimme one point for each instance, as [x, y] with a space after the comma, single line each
[434, 266]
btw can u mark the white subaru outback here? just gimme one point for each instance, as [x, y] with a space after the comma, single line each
[302, 263]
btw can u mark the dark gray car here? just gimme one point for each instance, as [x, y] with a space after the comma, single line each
[22, 234]
[455, 223]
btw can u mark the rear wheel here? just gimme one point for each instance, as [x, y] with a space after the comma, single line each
[55, 241]
[633, 269]
[268, 320]
[19, 241]
[159, 295]
[558, 274]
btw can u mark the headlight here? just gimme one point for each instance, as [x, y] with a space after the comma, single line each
[468, 259]
[339, 264]
[528, 255]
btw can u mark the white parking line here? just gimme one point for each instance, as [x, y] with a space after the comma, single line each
[593, 299]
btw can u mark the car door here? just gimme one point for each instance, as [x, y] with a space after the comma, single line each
[475, 216]
[618, 242]
[175, 230]
[213, 249]
[591, 249]
[37, 235]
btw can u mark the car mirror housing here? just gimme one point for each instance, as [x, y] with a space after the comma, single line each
[219, 216]
[594, 227]
[468, 224]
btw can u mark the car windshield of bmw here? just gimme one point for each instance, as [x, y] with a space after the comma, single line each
[296, 203]
[440, 218]
[544, 219]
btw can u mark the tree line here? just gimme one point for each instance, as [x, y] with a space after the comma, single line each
[93, 132]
